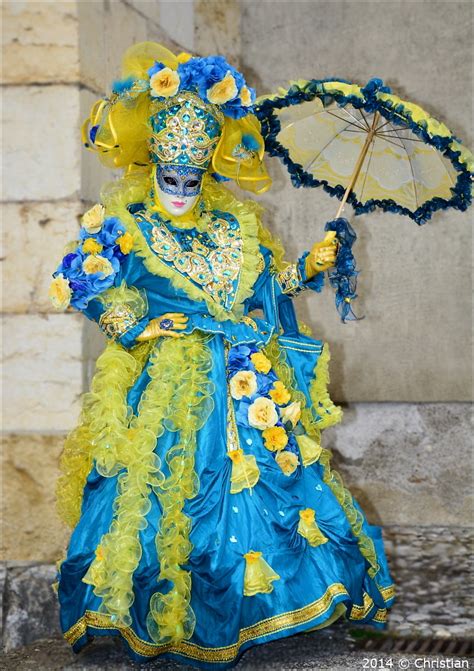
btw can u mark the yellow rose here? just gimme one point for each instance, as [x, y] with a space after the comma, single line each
[291, 413]
[183, 57]
[287, 461]
[91, 246]
[60, 292]
[93, 218]
[262, 413]
[261, 363]
[275, 438]
[222, 91]
[164, 83]
[97, 264]
[243, 383]
[245, 96]
[125, 242]
[280, 393]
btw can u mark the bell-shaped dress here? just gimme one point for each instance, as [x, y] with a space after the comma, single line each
[207, 518]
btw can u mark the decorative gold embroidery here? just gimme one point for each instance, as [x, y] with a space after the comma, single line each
[186, 126]
[227, 653]
[124, 306]
[250, 322]
[261, 263]
[216, 269]
[117, 321]
[289, 279]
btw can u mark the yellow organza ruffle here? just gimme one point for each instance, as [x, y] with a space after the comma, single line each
[310, 450]
[245, 472]
[259, 575]
[308, 528]
[187, 363]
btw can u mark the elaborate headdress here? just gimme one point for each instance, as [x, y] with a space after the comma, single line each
[180, 110]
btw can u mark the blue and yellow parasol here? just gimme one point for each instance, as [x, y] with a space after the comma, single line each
[367, 147]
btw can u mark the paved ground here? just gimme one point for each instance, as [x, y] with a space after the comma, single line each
[331, 650]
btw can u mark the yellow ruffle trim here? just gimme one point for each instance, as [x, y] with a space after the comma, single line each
[259, 575]
[188, 364]
[328, 412]
[178, 397]
[320, 399]
[135, 188]
[308, 528]
[310, 450]
[101, 426]
[245, 472]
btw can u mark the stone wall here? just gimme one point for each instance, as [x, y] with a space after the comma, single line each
[59, 57]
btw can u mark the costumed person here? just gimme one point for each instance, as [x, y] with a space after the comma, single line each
[206, 517]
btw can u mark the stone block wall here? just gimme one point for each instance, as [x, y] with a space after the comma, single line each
[58, 58]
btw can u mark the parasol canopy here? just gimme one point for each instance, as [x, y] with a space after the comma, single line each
[367, 147]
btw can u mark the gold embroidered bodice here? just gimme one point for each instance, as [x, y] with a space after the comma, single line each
[211, 258]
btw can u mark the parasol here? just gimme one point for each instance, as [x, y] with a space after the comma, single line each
[367, 147]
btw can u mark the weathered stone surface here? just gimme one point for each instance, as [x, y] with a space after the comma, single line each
[41, 152]
[42, 372]
[415, 284]
[404, 462]
[34, 237]
[179, 24]
[432, 572]
[30, 603]
[218, 29]
[149, 9]
[30, 470]
[306, 651]
[40, 42]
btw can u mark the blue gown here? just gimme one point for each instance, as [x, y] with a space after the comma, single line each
[241, 546]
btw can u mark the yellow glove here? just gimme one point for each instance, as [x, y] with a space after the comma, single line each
[168, 324]
[322, 255]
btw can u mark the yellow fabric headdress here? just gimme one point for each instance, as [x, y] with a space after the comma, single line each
[151, 103]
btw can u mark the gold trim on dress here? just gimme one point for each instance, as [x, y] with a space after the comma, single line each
[227, 653]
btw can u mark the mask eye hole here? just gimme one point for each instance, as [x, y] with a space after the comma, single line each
[192, 183]
[171, 181]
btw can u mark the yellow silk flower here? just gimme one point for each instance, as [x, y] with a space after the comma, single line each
[287, 461]
[243, 383]
[291, 413]
[261, 363]
[93, 218]
[97, 264]
[275, 438]
[223, 91]
[60, 292]
[280, 393]
[125, 242]
[245, 96]
[262, 413]
[164, 83]
[91, 246]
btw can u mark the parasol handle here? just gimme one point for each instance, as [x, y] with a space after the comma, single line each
[358, 166]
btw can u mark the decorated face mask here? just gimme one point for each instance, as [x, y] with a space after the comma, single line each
[178, 187]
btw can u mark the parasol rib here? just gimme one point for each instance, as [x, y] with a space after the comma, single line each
[369, 139]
